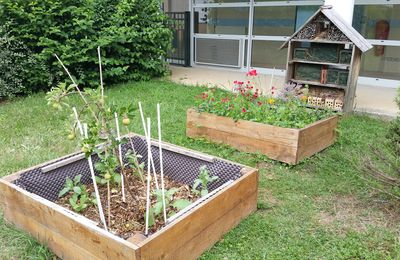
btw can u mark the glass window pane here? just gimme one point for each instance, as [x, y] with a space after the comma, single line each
[381, 62]
[218, 51]
[266, 54]
[377, 21]
[219, 1]
[279, 21]
[229, 20]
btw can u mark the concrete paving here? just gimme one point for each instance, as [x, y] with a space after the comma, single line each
[369, 99]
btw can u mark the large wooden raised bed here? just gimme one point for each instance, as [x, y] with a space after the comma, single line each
[283, 144]
[72, 236]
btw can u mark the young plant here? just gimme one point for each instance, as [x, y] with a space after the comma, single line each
[157, 209]
[137, 168]
[204, 179]
[80, 198]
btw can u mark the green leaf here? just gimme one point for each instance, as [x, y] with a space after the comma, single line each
[77, 179]
[181, 204]
[158, 208]
[117, 178]
[63, 192]
[77, 190]
[69, 183]
[204, 192]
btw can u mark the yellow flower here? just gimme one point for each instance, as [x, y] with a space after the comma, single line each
[304, 98]
[271, 101]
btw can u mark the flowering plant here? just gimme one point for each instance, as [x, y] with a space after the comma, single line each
[288, 108]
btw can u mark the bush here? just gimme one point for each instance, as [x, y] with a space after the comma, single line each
[15, 61]
[134, 37]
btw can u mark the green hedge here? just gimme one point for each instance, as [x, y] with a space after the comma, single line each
[134, 37]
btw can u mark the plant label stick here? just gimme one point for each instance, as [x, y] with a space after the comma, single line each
[148, 177]
[151, 155]
[101, 213]
[161, 162]
[120, 156]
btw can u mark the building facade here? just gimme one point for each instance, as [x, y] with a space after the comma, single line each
[247, 33]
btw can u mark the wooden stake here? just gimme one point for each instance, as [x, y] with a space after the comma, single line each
[161, 162]
[109, 203]
[120, 157]
[151, 155]
[148, 178]
[101, 213]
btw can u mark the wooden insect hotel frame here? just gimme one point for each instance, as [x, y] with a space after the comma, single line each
[325, 54]
[27, 200]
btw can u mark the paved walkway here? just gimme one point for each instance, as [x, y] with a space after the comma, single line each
[369, 99]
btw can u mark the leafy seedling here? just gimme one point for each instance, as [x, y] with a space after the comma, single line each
[204, 179]
[80, 199]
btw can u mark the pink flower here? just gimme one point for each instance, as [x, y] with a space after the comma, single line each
[259, 103]
[244, 110]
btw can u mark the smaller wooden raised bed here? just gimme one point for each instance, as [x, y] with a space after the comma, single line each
[72, 236]
[283, 144]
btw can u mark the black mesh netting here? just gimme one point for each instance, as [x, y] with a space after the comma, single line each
[179, 167]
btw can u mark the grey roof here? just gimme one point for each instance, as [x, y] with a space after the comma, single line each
[341, 24]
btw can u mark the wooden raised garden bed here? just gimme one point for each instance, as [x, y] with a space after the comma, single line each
[283, 144]
[27, 199]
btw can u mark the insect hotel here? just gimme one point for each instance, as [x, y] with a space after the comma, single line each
[325, 55]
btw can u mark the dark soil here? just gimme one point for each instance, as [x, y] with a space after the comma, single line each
[129, 217]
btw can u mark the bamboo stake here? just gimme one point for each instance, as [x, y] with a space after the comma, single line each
[161, 162]
[78, 122]
[148, 178]
[101, 213]
[101, 73]
[120, 157]
[151, 155]
[72, 79]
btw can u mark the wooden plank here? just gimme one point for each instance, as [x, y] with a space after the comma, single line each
[93, 239]
[352, 80]
[260, 131]
[59, 244]
[247, 144]
[316, 137]
[214, 232]
[187, 233]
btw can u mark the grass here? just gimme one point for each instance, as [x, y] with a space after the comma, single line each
[318, 209]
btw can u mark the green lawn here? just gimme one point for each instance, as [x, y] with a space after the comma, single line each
[320, 209]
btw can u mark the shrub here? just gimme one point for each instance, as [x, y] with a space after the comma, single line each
[133, 36]
[15, 61]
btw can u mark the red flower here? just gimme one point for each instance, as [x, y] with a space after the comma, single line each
[212, 99]
[252, 73]
[259, 103]
[273, 87]
[240, 82]
[204, 95]
[235, 82]
[244, 110]
[272, 92]
[224, 100]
